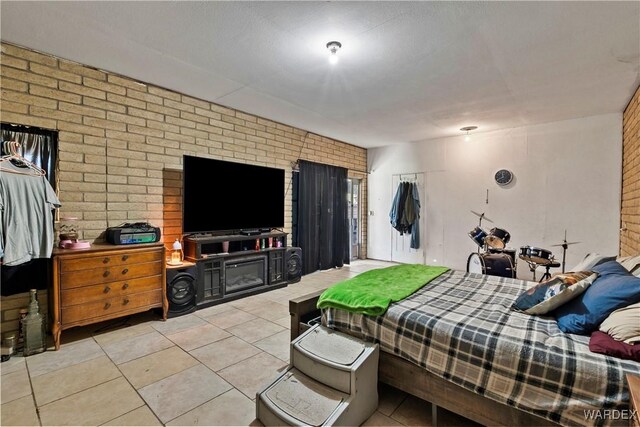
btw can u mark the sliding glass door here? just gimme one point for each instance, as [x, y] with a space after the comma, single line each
[353, 196]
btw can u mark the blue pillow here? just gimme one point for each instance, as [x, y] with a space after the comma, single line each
[614, 288]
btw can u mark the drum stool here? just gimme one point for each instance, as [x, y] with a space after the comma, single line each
[547, 275]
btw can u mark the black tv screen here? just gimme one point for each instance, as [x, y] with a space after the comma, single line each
[226, 196]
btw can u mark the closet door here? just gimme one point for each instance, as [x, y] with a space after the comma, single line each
[401, 244]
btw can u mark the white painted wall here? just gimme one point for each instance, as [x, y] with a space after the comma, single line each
[567, 176]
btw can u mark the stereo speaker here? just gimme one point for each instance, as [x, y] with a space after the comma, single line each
[293, 262]
[181, 290]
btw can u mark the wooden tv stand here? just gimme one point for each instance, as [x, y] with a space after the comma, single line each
[245, 269]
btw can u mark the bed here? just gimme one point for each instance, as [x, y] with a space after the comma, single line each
[457, 344]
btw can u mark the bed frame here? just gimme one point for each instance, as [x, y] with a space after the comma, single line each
[412, 379]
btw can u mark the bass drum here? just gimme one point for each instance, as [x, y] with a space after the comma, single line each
[491, 264]
[509, 251]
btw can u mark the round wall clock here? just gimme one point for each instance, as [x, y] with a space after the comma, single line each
[503, 177]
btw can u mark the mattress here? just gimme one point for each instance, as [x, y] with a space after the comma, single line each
[461, 328]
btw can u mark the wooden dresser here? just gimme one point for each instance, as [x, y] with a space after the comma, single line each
[105, 282]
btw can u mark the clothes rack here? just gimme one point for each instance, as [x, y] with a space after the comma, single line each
[402, 175]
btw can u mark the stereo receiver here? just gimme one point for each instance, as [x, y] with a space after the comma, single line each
[131, 233]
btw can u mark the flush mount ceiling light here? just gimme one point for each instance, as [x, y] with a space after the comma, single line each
[333, 47]
[468, 129]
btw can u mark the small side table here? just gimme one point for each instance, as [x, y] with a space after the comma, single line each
[634, 398]
[185, 264]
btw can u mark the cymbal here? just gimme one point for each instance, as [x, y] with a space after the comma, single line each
[481, 216]
[567, 243]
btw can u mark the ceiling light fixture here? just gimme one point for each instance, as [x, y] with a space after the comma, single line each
[333, 49]
[467, 129]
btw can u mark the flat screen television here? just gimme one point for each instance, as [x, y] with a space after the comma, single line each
[225, 196]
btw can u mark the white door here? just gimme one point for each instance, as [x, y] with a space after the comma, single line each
[401, 244]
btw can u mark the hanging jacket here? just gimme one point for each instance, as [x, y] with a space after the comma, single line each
[393, 213]
[405, 212]
[415, 230]
[409, 214]
[396, 214]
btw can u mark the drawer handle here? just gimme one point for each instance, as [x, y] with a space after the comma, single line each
[125, 271]
[107, 289]
[107, 305]
[126, 301]
[106, 273]
[106, 260]
[125, 286]
[125, 257]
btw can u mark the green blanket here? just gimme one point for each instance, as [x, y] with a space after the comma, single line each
[371, 292]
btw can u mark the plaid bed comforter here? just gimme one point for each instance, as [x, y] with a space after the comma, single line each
[460, 327]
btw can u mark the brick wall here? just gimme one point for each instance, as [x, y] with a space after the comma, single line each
[630, 217]
[122, 141]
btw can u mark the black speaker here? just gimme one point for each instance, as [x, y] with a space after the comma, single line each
[181, 290]
[293, 262]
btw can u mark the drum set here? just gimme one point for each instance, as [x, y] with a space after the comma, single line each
[496, 259]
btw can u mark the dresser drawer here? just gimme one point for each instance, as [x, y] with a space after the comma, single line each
[76, 279]
[110, 306]
[126, 258]
[101, 292]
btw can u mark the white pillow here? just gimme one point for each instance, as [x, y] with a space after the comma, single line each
[560, 289]
[623, 324]
[590, 261]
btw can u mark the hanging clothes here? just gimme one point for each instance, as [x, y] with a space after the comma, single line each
[395, 206]
[405, 212]
[409, 214]
[415, 230]
[26, 222]
[397, 215]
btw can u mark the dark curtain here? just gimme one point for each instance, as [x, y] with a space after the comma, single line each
[294, 208]
[39, 146]
[323, 226]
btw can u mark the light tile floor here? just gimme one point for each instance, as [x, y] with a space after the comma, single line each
[200, 369]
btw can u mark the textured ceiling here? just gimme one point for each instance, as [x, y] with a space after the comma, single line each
[408, 71]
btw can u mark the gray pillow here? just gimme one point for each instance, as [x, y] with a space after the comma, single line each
[631, 263]
[591, 260]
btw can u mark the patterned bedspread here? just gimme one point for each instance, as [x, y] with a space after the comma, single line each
[460, 327]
